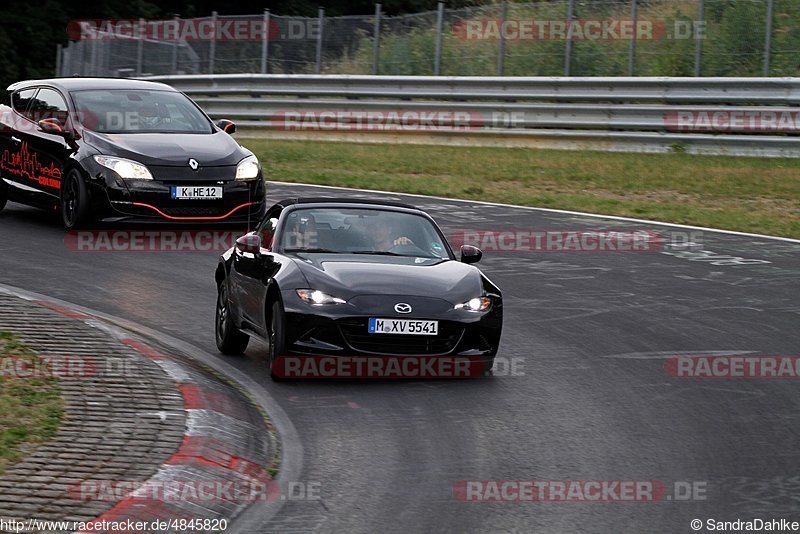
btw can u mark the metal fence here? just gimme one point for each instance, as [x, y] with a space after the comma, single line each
[735, 116]
[544, 38]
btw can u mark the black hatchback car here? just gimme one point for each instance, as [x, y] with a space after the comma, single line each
[344, 278]
[117, 149]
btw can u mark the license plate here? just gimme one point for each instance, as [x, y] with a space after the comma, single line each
[197, 192]
[403, 326]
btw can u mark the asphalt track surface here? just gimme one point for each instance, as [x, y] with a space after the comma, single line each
[590, 400]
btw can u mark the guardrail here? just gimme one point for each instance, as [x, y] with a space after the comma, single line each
[735, 116]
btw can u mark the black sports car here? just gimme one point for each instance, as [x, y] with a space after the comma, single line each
[118, 149]
[348, 278]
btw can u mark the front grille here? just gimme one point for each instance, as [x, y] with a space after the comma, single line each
[355, 333]
[193, 212]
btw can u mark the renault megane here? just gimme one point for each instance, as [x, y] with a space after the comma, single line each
[96, 148]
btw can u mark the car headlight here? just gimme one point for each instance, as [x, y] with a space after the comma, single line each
[126, 168]
[477, 304]
[248, 168]
[313, 296]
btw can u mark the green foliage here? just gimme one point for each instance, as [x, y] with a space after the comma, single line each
[31, 408]
[733, 43]
[733, 46]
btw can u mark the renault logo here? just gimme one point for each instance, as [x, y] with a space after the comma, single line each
[402, 307]
[193, 164]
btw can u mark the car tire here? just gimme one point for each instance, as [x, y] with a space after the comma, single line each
[230, 340]
[276, 336]
[3, 194]
[74, 201]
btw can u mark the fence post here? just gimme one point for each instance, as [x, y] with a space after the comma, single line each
[437, 61]
[66, 60]
[318, 68]
[58, 60]
[698, 38]
[568, 48]
[139, 48]
[265, 44]
[632, 49]
[376, 39]
[501, 52]
[81, 71]
[212, 50]
[173, 68]
[768, 38]
[93, 58]
[101, 60]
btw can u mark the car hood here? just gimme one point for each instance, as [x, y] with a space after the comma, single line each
[167, 149]
[346, 276]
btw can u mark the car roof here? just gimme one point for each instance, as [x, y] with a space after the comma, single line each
[345, 202]
[79, 84]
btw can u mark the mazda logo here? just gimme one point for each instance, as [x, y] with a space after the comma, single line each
[402, 307]
[193, 164]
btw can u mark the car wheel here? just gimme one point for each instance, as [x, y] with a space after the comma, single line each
[74, 200]
[230, 340]
[276, 336]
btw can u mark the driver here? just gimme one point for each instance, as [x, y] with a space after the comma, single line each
[381, 233]
[150, 115]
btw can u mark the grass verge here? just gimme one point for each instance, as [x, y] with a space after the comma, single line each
[30, 408]
[760, 195]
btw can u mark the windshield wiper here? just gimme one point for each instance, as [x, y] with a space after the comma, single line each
[319, 250]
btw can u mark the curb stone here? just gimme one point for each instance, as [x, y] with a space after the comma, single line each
[215, 429]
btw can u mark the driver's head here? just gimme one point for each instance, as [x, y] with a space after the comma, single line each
[149, 114]
[381, 229]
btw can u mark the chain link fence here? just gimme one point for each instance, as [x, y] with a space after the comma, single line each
[544, 38]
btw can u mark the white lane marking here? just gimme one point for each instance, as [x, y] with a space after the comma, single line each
[549, 210]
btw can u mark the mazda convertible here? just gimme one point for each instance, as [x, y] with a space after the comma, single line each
[344, 279]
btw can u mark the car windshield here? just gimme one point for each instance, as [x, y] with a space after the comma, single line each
[138, 111]
[361, 231]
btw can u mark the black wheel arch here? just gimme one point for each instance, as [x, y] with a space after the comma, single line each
[273, 295]
[220, 274]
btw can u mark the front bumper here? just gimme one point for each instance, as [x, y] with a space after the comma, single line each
[151, 201]
[341, 330]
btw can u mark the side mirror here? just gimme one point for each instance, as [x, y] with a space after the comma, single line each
[227, 126]
[250, 244]
[51, 126]
[470, 254]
